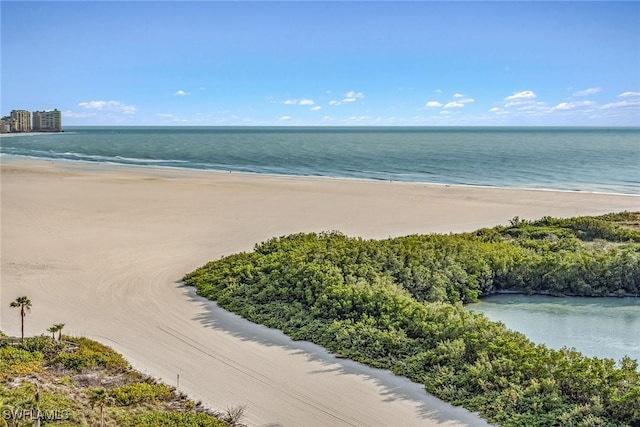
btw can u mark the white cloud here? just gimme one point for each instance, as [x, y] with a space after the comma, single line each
[459, 101]
[496, 110]
[438, 91]
[316, 108]
[181, 93]
[522, 104]
[359, 118]
[303, 101]
[531, 106]
[587, 92]
[525, 94]
[454, 104]
[352, 94]
[114, 106]
[622, 104]
[96, 105]
[523, 100]
[168, 117]
[285, 118]
[564, 106]
[629, 95]
[525, 103]
[76, 115]
[349, 97]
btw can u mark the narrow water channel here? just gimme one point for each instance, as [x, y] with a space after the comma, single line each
[603, 327]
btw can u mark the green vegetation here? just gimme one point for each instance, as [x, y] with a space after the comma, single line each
[79, 382]
[397, 304]
[89, 355]
[132, 394]
[171, 419]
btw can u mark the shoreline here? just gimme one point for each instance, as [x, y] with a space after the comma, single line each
[103, 249]
[14, 134]
[14, 157]
[550, 294]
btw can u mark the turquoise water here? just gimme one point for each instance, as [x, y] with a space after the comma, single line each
[578, 159]
[603, 327]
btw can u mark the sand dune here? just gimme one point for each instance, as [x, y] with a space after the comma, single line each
[103, 249]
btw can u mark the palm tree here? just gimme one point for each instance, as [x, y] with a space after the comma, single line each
[25, 304]
[56, 328]
[59, 327]
[99, 397]
[37, 400]
[53, 329]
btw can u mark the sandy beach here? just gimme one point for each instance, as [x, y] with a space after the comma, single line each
[103, 249]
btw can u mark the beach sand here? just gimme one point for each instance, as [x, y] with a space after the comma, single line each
[103, 249]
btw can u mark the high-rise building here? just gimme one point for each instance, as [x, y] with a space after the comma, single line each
[20, 121]
[47, 121]
[5, 124]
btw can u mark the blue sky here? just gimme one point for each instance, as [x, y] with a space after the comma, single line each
[323, 63]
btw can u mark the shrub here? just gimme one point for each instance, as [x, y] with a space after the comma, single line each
[15, 361]
[140, 392]
[174, 419]
[90, 354]
[43, 344]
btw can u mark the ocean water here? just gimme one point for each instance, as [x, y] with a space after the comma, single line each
[603, 160]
